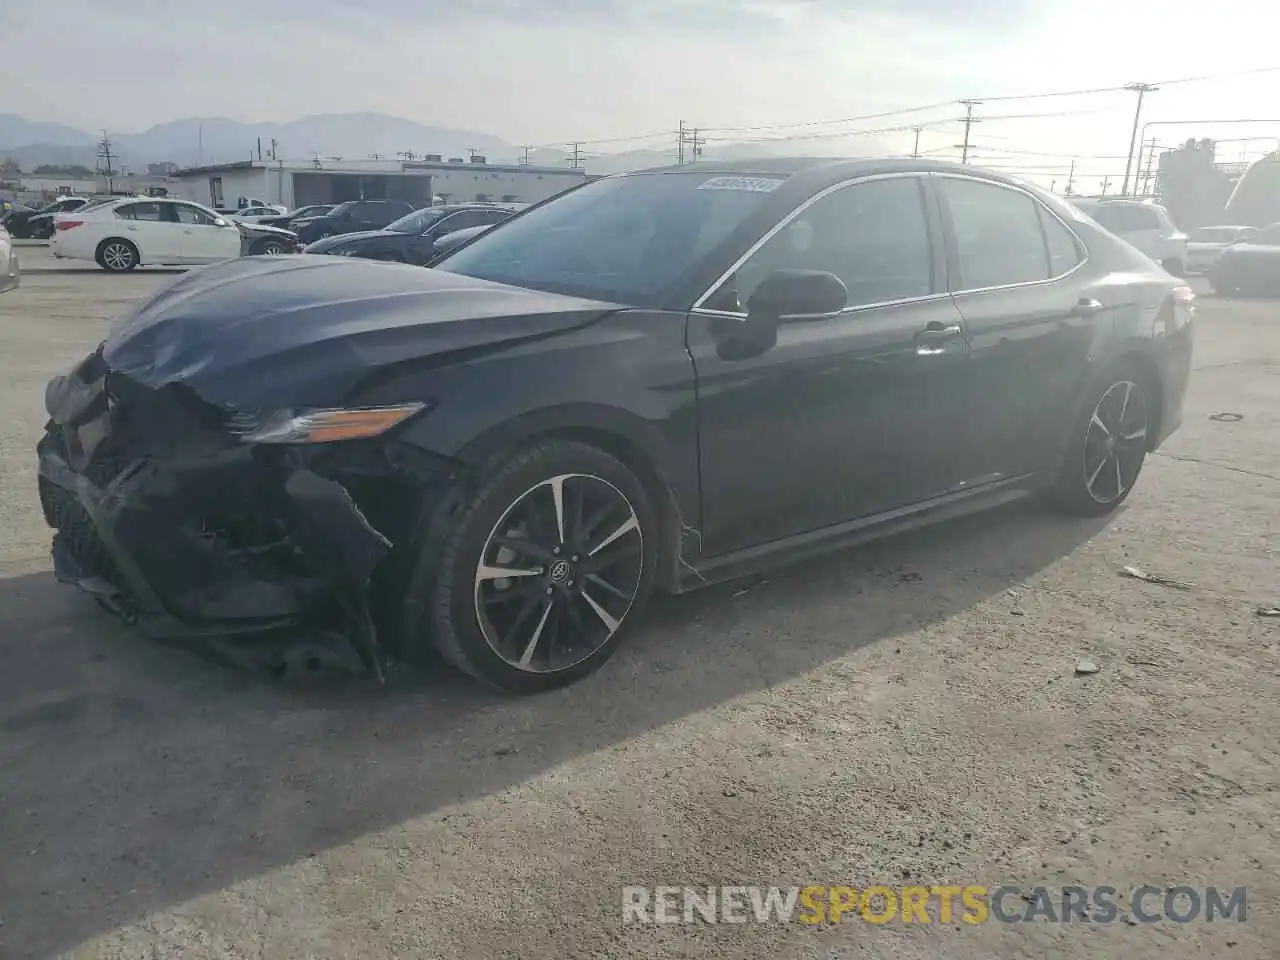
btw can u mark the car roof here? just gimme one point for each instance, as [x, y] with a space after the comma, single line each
[826, 169]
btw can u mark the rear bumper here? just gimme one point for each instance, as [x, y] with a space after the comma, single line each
[212, 541]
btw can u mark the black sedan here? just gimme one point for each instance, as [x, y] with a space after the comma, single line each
[37, 224]
[653, 381]
[412, 239]
[1250, 268]
[350, 217]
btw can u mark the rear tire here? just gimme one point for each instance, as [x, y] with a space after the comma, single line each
[577, 533]
[1108, 444]
[117, 256]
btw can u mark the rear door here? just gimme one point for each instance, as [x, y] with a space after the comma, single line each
[1018, 275]
[153, 229]
[203, 241]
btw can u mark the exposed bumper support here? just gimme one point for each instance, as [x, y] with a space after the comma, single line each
[270, 549]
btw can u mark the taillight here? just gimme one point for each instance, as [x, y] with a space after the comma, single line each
[68, 224]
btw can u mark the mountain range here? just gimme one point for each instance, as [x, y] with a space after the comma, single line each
[194, 141]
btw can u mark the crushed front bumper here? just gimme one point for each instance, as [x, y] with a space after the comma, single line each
[191, 535]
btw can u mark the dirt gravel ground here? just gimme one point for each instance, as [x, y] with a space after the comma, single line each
[902, 713]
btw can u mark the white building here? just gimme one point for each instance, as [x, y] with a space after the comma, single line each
[297, 183]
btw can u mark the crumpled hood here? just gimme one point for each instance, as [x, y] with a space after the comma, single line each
[256, 230]
[261, 333]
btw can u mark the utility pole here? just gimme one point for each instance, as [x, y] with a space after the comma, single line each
[695, 142]
[1142, 90]
[274, 143]
[259, 148]
[915, 150]
[680, 145]
[104, 157]
[576, 158]
[1071, 177]
[1106, 184]
[968, 122]
[1149, 148]
[200, 144]
[524, 156]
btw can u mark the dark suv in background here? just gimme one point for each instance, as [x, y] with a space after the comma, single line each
[351, 216]
[412, 239]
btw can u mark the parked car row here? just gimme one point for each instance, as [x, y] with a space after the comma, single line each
[413, 238]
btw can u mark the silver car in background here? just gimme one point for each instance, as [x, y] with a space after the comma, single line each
[9, 273]
[1206, 244]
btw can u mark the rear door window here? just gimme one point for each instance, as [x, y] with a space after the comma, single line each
[1064, 248]
[141, 211]
[998, 238]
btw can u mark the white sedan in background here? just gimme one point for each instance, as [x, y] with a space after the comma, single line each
[9, 273]
[121, 234]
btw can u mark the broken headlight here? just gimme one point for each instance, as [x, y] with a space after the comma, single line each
[323, 426]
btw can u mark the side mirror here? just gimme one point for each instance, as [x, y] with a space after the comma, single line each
[219, 222]
[798, 295]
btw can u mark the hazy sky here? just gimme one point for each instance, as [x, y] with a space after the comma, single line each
[555, 70]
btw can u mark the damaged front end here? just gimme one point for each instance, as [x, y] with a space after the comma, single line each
[165, 514]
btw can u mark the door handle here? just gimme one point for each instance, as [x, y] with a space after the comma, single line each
[1086, 307]
[930, 342]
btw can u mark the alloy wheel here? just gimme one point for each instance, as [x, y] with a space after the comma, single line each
[117, 256]
[1115, 442]
[273, 248]
[558, 573]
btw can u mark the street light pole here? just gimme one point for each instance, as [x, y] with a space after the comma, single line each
[1142, 89]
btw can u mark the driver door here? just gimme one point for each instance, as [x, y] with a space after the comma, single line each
[203, 240]
[845, 418]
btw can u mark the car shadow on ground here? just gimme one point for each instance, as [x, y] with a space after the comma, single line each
[137, 776]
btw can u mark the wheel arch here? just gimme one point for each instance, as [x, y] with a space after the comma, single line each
[112, 238]
[632, 440]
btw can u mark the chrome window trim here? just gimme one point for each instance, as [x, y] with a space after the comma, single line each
[1080, 244]
[781, 224]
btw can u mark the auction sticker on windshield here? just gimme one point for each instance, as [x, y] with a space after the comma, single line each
[749, 184]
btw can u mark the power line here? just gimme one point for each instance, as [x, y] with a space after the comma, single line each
[920, 108]
[823, 123]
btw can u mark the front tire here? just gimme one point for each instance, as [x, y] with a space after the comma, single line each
[117, 256]
[271, 248]
[1108, 444]
[537, 576]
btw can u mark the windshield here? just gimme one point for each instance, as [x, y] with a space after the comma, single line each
[625, 239]
[1214, 235]
[419, 221]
